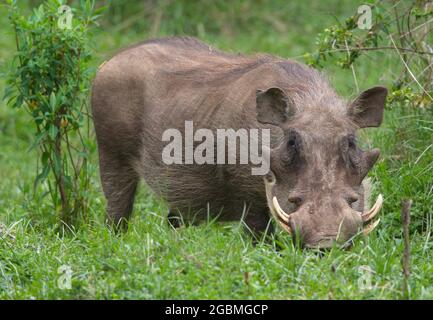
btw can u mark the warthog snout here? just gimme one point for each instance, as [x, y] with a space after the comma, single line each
[321, 227]
[325, 222]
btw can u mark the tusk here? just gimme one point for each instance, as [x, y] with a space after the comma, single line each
[370, 227]
[284, 216]
[370, 214]
[277, 212]
[285, 227]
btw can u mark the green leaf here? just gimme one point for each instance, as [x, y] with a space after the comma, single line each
[42, 176]
[53, 101]
[53, 131]
[83, 155]
[9, 90]
[18, 102]
[39, 137]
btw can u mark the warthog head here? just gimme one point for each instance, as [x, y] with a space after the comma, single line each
[316, 172]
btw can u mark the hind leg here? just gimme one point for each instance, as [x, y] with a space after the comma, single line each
[119, 182]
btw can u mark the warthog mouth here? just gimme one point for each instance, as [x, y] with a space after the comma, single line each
[283, 218]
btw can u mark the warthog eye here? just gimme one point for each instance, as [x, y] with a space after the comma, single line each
[351, 142]
[293, 140]
[351, 152]
[292, 147]
[357, 161]
[291, 143]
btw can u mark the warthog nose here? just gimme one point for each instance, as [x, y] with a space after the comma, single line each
[327, 244]
[324, 230]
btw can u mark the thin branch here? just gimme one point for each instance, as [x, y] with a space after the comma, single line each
[405, 218]
[429, 67]
[410, 72]
[416, 28]
[352, 67]
[376, 49]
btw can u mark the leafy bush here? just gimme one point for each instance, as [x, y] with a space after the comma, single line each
[403, 30]
[49, 78]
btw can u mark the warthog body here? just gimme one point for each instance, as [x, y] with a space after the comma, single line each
[316, 168]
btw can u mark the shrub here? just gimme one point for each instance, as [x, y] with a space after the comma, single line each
[49, 78]
[403, 30]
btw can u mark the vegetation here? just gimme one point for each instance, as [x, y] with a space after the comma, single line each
[218, 260]
[50, 78]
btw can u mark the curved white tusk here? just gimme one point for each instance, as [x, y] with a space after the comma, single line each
[370, 214]
[284, 216]
[370, 227]
[277, 212]
[285, 227]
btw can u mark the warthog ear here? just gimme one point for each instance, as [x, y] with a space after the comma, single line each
[273, 106]
[367, 109]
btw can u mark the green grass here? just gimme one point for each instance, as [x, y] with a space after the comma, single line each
[217, 260]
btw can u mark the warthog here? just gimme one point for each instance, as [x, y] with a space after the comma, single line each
[314, 188]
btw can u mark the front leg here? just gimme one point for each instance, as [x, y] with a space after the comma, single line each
[174, 218]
